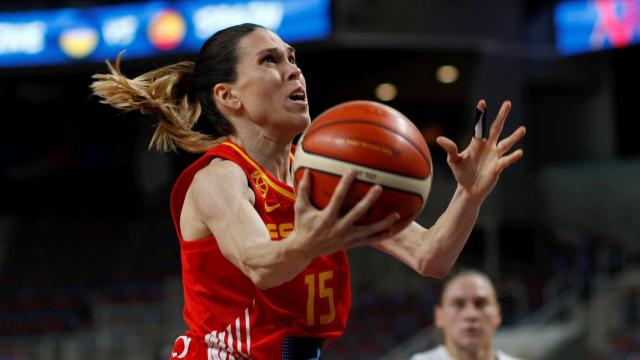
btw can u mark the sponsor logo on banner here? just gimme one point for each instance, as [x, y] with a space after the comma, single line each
[78, 43]
[166, 30]
[22, 38]
[120, 30]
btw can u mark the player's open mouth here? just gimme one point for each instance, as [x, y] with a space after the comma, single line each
[298, 95]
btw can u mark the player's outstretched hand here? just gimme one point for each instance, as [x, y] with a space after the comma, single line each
[478, 167]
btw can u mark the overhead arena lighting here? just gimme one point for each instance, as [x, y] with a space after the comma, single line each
[447, 74]
[386, 92]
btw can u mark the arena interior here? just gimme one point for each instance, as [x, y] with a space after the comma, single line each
[89, 260]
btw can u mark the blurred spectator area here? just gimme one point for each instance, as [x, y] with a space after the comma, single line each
[52, 285]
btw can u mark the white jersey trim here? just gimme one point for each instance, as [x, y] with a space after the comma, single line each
[222, 345]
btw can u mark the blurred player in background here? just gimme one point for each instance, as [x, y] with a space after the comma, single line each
[468, 315]
[265, 274]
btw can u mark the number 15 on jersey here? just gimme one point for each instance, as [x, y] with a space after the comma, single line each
[325, 294]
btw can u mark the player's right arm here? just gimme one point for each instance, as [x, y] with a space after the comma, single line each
[223, 202]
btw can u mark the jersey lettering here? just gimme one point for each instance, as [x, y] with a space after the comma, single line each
[279, 231]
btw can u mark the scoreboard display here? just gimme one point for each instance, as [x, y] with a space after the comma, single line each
[586, 26]
[144, 29]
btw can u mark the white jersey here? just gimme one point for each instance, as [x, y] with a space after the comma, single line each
[441, 353]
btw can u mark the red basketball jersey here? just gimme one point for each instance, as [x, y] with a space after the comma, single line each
[227, 315]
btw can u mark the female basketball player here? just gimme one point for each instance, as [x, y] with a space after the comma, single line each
[265, 274]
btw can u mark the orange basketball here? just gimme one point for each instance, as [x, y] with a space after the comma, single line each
[381, 145]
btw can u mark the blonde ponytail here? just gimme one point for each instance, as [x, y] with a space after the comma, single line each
[161, 93]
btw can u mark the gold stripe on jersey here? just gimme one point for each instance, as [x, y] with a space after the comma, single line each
[275, 186]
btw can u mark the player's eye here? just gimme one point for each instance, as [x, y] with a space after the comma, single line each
[458, 304]
[480, 304]
[292, 59]
[269, 58]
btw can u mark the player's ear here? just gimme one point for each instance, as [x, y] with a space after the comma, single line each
[438, 316]
[226, 96]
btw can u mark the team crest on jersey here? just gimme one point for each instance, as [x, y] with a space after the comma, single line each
[258, 178]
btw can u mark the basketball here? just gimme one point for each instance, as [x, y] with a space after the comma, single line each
[381, 145]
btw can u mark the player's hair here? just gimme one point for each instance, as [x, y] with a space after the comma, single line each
[178, 95]
[462, 272]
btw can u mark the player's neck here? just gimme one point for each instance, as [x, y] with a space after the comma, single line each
[270, 152]
[482, 353]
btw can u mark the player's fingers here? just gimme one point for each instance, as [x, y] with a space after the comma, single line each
[340, 193]
[450, 147]
[363, 205]
[505, 144]
[498, 124]
[507, 160]
[479, 127]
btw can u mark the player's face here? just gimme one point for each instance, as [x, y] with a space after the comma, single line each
[469, 314]
[270, 85]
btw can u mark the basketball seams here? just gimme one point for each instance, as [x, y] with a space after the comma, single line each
[359, 180]
[399, 182]
[301, 148]
[402, 218]
[352, 121]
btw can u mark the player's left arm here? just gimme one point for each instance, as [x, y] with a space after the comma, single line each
[433, 251]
